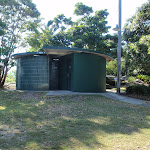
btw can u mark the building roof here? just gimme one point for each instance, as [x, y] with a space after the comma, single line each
[18, 55]
[61, 51]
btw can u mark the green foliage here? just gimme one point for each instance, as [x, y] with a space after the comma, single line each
[131, 79]
[138, 25]
[11, 76]
[137, 37]
[81, 9]
[90, 32]
[59, 22]
[111, 67]
[2, 27]
[54, 34]
[46, 38]
[138, 89]
[144, 78]
[17, 16]
[36, 40]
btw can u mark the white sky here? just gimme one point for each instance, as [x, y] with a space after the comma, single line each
[51, 8]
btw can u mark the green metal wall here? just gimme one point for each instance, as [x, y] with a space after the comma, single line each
[33, 73]
[89, 73]
[79, 72]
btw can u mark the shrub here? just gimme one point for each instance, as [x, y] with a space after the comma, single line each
[138, 89]
[144, 78]
[131, 79]
[139, 77]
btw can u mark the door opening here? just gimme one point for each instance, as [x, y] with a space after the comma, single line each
[54, 74]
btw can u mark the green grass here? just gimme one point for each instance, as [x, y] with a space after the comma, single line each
[33, 121]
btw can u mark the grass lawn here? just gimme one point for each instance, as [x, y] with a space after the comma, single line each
[35, 122]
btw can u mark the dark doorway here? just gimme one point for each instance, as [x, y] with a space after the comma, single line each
[69, 70]
[54, 74]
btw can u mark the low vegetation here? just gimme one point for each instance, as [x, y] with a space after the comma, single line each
[138, 88]
[144, 78]
[139, 91]
[33, 121]
[131, 79]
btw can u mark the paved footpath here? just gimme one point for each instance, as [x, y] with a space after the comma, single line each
[109, 94]
[125, 99]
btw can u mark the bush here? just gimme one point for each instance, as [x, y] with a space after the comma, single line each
[131, 79]
[144, 78]
[138, 89]
[139, 77]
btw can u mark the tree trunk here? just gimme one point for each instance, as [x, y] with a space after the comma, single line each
[3, 75]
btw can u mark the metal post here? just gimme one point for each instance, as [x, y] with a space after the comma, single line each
[119, 51]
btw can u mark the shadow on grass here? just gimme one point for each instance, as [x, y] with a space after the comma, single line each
[34, 121]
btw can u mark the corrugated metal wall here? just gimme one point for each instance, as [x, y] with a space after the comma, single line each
[89, 73]
[33, 73]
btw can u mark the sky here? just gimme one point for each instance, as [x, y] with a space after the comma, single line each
[51, 8]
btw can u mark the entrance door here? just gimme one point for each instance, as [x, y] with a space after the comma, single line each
[54, 74]
[69, 74]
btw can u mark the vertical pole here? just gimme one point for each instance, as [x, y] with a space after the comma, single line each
[119, 51]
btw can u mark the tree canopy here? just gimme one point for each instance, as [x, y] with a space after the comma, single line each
[137, 37]
[17, 16]
[90, 31]
[81, 9]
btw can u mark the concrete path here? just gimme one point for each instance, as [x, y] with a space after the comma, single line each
[114, 96]
[65, 92]
[108, 94]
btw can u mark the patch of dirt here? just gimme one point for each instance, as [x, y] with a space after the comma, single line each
[9, 86]
[32, 96]
[8, 132]
[62, 110]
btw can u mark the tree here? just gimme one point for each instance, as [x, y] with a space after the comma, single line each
[137, 37]
[2, 27]
[18, 16]
[81, 9]
[112, 67]
[90, 31]
[59, 22]
[52, 34]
